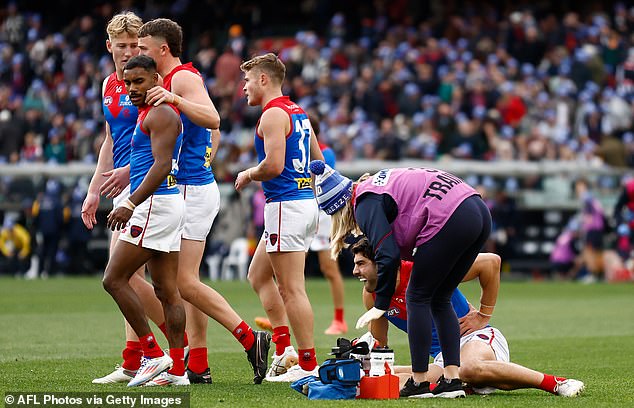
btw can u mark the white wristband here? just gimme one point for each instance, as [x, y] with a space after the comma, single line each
[128, 204]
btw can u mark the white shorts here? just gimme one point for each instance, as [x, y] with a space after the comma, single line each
[202, 204]
[123, 195]
[494, 338]
[289, 226]
[156, 223]
[321, 242]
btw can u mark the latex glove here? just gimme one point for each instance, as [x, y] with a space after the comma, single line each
[368, 316]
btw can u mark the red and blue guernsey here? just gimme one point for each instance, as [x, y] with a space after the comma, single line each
[141, 158]
[397, 312]
[194, 165]
[121, 116]
[294, 182]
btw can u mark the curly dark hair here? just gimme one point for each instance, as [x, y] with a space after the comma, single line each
[363, 247]
[141, 61]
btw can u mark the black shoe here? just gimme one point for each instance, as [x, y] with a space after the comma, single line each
[258, 355]
[449, 388]
[202, 378]
[414, 390]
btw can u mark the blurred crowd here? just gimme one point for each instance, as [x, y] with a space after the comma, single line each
[475, 83]
[389, 80]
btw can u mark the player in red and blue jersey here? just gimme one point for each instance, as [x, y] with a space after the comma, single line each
[114, 155]
[184, 87]
[321, 245]
[485, 357]
[284, 143]
[150, 221]
[397, 311]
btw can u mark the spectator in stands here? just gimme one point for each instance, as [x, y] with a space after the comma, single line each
[55, 150]
[11, 135]
[382, 67]
[31, 152]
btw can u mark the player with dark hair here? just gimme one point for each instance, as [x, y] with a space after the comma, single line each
[484, 352]
[183, 86]
[150, 221]
[114, 155]
[427, 216]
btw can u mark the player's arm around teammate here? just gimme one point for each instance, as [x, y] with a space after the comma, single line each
[190, 96]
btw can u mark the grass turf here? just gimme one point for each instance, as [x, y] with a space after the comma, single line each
[58, 334]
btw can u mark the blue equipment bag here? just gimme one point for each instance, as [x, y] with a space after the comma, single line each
[335, 391]
[338, 379]
[347, 371]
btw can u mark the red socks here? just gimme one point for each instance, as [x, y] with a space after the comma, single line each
[150, 347]
[178, 357]
[244, 334]
[281, 338]
[550, 382]
[163, 328]
[339, 315]
[132, 354]
[307, 359]
[198, 361]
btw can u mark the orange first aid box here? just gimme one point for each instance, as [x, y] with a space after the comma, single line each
[379, 387]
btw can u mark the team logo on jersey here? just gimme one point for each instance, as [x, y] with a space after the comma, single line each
[273, 238]
[207, 157]
[381, 178]
[483, 337]
[393, 311]
[107, 101]
[135, 231]
[124, 100]
[303, 182]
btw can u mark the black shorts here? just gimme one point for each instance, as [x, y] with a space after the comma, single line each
[594, 239]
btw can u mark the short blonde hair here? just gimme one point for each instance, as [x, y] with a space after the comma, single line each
[269, 63]
[126, 22]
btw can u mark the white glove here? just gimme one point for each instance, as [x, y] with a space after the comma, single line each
[366, 338]
[368, 316]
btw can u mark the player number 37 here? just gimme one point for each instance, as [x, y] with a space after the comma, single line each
[303, 127]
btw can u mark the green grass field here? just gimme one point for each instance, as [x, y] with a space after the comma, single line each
[58, 334]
